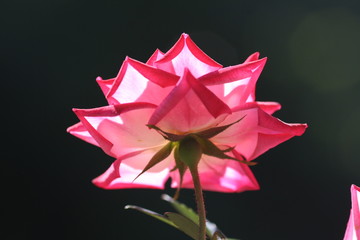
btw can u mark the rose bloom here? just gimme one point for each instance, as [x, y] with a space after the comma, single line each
[353, 226]
[182, 92]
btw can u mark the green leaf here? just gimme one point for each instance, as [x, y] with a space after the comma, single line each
[184, 224]
[158, 157]
[176, 220]
[212, 132]
[189, 213]
[181, 208]
[152, 214]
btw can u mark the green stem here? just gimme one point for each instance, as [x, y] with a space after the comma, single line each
[199, 202]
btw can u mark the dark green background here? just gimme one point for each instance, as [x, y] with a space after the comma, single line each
[52, 51]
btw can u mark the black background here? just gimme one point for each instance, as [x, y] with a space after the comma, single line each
[52, 51]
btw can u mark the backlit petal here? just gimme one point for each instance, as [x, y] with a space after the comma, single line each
[185, 54]
[138, 82]
[257, 132]
[120, 129]
[188, 108]
[235, 85]
[353, 227]
[125, 169]
[220, 175]
[78, 130]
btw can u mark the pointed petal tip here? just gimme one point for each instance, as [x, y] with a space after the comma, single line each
[69, 129]
[300, 130]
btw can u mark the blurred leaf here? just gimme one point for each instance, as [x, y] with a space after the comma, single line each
[152, 214]
[211, 228]
[184, 224]
[176, 220]
[181, 208]
[186, 220]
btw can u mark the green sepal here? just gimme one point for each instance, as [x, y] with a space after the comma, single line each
[212, 132]
[211, 149]
[181, 167]
[190, 151]
[162, 154]
[168, 136]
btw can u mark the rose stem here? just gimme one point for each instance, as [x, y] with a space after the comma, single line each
[200, 202]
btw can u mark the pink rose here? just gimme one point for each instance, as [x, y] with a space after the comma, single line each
[353, 226]
[182, 92]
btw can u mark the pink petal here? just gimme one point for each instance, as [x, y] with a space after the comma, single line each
[160, 77]
[78, 130]
[257, 132]
[125, 169]
[353, 227]
[269, 107]
[120, 129]
[235, 85]
[171, 100]
[220, 175]
[156, 56]
[187, 108]
[253, 57]
[105, 85]
[185, 54]
[138, 82]
[212, 103]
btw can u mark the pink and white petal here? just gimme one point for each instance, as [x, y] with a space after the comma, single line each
[242, 131]
[220, 175]
[272, 131]
[105, 85]
[183, 111]
[138, 82]
[120, 129]
[129, 132]
[158, 76]
[125, 169]
[212, 103]
[235, 85]
[353, 227]
[78, 130]
[185, 54]
[236, 93]
[154, 57]
[257, 132]
[171, 100]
